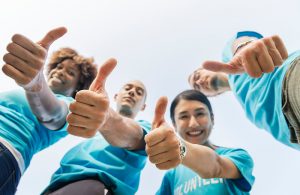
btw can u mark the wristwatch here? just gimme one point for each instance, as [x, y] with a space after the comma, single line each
[254, 36]
[182, 148]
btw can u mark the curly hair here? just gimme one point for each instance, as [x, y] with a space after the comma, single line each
[86, 66]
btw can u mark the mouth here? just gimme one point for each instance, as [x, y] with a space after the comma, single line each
[56, 79]
[129, 99]
[195, 133]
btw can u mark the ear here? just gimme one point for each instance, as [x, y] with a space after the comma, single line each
[115, 97]
[143, 107]
[212, 119]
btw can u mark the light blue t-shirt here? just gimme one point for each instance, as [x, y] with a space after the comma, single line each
[261, 98]
[118, 168]
[182, 180]
[20, 127]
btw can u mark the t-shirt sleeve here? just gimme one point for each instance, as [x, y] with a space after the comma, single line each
[146, 126]
[165, 187]
[244, 164]
[54, 135]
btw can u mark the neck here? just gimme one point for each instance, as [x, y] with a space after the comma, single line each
[209, 144]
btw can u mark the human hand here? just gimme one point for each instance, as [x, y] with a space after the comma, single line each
[162, 143]
[25, 59]
[90, 110]
[255, 58]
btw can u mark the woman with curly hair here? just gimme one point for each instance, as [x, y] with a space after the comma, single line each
[34, 118]
[69, 56]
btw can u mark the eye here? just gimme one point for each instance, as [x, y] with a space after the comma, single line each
[127, 87]
[139, 92]
[197, 76]
[59, 66]
[182, 117]
[200, 114]
[72, 73]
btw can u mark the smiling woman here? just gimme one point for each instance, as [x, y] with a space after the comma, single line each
[35, 118]
[219, 170]
[68, 72]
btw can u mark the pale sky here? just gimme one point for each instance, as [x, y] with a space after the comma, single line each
[160, 43]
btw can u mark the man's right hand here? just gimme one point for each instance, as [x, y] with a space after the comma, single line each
[258, 57]
[90, 111]
[25, 59]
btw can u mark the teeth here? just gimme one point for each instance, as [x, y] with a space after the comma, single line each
[194, 133]
[56, 79]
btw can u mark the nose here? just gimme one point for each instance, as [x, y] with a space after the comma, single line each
[131, 93]
[193, 122]
[60, 72]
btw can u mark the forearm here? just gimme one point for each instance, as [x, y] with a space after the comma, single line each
[50, 111]
[123, 132]
[207, 164]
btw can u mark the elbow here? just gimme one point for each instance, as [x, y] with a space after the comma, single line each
[215, 171]
[211, 174]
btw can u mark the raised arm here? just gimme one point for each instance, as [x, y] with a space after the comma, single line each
[24, 63]
[252, 54]
[165, 150]
[91, 112]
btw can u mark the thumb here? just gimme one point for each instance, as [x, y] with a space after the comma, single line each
[98, 84]
[160, 110]
[52, 36]
[216, 66]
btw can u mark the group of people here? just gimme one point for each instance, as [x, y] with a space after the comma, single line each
[73, 100]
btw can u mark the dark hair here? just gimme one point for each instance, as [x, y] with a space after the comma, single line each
[87, 68]
[189, 95]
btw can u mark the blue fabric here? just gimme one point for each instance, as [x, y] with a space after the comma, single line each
[183, 180]
[261, 98]
[10, 173]
[227, 51]
[21, 128]
[119, 169]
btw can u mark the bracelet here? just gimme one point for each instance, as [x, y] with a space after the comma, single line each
[242, 45]
[182, 147]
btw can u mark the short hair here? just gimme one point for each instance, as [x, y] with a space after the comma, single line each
[189, 95]
[88, 70]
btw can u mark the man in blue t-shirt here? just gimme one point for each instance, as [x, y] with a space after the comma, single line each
[34, 118]
[197, 166]
[110, 162]
[271, 100]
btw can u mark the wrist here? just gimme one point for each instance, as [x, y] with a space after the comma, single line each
[240, 43]
[36, 84]
[182, 148]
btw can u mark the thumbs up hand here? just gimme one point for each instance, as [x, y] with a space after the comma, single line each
[89, 112]
[162, 143]
[254, 58]
[25, 59]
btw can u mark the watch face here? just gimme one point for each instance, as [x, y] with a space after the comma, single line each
[182, 149]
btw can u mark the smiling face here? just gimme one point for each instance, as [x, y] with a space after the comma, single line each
[63, 78]
[193, 121]
[131, 99]
[208, 82]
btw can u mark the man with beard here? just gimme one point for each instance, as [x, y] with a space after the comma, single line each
[110, 162]
[271, 100]
[199, 166]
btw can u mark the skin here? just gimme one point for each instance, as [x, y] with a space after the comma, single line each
[64, 78]
[91, 112]
[258, 57]
[208, 82]
[131, 98]
[194, 123]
